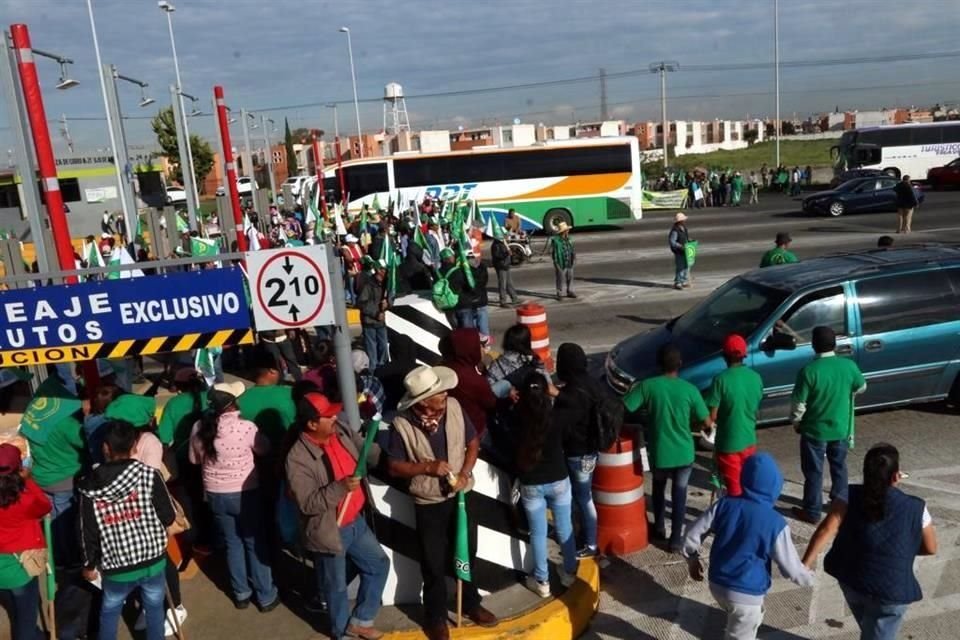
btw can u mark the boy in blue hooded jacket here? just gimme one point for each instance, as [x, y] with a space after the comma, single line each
[748, 534]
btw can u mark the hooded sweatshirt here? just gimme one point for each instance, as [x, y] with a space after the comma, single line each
[462, 353]
[124, 514]
[748, 534]
[576, 400]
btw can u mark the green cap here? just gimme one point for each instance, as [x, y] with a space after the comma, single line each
[447, 253]
[135, 409]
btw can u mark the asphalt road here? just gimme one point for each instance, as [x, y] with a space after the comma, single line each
[624, 275]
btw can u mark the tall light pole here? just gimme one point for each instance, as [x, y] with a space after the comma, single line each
[662, 68]
[353, 75]
[776, 71]
[186, 164]
[128, 215]
[264, 120]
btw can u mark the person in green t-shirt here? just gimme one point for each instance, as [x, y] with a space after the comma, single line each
[734, 400]
[822, 413]
[268, 404]
[181, 412]
[673, 408]
[781, 253]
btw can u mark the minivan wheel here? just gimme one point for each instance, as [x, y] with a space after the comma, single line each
[553, 218]
[836, 209]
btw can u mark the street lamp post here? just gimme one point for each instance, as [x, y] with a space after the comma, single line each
[336, 145]
[264, 120]
[353, 76]
[119, 168]
[776, 72]
[662, 68]
[186, 162]
[127, 183]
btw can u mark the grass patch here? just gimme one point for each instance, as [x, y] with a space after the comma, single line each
[801, 153]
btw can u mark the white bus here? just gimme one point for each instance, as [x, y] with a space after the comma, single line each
[901, 149]
[591, 181]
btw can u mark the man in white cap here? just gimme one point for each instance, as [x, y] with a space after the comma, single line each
[678, 238]
[564, 256]
[352, 254]
[434, 446]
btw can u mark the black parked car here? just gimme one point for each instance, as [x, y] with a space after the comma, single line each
[862, 195]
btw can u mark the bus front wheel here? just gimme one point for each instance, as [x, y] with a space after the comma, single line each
[554, 217]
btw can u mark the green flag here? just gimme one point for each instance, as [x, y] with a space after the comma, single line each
[418, 238]
[461, 555]
[201, 247]
[181, 224]
[462, 244]
[390, 258]
[51, 405]
[376, 203]
[492, 228]
[690, 250]
[203, 362]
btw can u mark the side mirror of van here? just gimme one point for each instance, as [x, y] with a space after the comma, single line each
[780, 342]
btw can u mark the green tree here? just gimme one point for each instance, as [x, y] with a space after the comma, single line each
[166, 131]
[288, 141]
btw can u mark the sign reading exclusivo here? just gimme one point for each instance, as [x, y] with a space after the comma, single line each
[107, 318]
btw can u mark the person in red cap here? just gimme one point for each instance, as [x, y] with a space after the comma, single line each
[22, 506]
[320, 468]
[734, 400]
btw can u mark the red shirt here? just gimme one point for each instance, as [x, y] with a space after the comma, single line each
[344, 465]
[20, 526]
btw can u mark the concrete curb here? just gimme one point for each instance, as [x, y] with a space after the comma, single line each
[558, 619]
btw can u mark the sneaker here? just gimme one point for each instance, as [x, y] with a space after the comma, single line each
[571, 294]
[270, 606]
[169, 628]
[559, 297]
[587, 552]
[364, 633]
[542, 589]
[316, 604]
[241, 604]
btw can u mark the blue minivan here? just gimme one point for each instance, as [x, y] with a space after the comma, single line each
[896, 312]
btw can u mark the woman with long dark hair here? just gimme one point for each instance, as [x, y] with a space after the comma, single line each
[544, 482]
[22, 507]
[879, 532]
[226, 447]
[516, 362]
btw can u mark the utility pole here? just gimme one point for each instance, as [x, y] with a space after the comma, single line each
[776, 72]
[663, 67]
[604, 114]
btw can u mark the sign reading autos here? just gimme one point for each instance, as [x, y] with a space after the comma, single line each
[115, 318]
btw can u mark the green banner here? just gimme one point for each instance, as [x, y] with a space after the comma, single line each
[664, 199]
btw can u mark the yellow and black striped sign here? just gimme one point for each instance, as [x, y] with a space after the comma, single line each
[145, 347]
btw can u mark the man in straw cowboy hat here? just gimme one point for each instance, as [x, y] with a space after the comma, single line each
[678, 239]
[434, 446]
[564, 256]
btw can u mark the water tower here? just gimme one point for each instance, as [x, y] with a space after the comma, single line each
[394, 103]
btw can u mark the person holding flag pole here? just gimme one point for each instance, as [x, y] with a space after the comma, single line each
[326, 472]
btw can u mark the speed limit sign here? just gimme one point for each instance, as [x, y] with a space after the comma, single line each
[290, 288]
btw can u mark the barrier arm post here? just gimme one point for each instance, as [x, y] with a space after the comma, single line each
[231, 168]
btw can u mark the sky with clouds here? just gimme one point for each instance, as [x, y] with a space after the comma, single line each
[286, 58]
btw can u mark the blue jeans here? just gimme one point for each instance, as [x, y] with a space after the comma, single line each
[680, 478]
[151, 597]
[238, 520]
[812, 453]
[481, 320]
[558, 496]
[361, 554]
[681, 274]
[375, 344]
[582, 482]
[63, 526]
[501, 388]
[877, 621]
[466, 319]
[23, 603]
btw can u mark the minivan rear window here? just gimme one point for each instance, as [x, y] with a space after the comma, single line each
[737, 307]
[908, 300]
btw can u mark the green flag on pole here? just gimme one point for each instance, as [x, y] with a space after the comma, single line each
[376, 203]
[461, 555]
[390, 258]
[201, 247]
[492, 228]
[690, 251]
[463, 243]
[419, 239]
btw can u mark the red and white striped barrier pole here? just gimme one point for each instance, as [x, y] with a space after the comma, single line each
[47, 164]
[230, 166]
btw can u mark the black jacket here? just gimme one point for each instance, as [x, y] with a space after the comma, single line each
[470, 297]
[906, 198]
[369, 296]
[500, 253]
[403, 360]
[413, 274]
[576, 401]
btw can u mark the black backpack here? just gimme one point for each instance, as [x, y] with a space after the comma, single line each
[606, 417]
